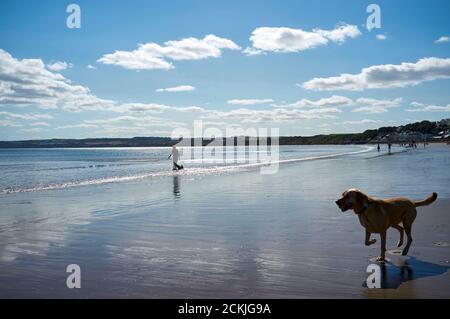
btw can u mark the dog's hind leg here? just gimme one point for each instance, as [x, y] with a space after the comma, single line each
[400, 229]
[409, 240]
[407, 225]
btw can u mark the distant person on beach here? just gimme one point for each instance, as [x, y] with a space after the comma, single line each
[175, 157]
[378, 147]
[389, 147]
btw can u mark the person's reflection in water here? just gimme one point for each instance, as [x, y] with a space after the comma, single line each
[176, 186]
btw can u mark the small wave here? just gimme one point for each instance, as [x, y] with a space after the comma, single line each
[190, 171]
[87, 166]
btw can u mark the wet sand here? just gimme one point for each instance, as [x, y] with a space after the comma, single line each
[228, 235]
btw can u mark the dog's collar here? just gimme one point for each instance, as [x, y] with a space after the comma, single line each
[363, 210]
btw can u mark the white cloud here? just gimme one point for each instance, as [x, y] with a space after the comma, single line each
[40, 124]
[189, 109]
[154, 56]
[385, 76]
[154, 108]
[361, 122]
[59, 66]
[282, 39]
[332, 101]
[420, 107]
[249, 101]
[365, 105]
[90, 66]
[442, 39]
[374, 106]
[9, 123]
[340, 33]
[285, 39]
[278, 115]
[370, 110]
[129, 131]
[179, 88]
[33, 130]
[81, 125]
[28, 82]
[141, 107]
[417, 104]
[87, 102]
[252, 51]
[381, 37]
[133, 122]
[25, 116]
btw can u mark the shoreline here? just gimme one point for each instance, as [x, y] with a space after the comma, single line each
[419, 145]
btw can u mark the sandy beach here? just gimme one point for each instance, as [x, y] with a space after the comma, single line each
[236, 234]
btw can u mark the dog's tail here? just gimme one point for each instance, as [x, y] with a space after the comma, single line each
[426, 201]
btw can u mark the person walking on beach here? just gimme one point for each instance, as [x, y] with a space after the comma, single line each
[378, 147]
[175, 157]
[389, 147]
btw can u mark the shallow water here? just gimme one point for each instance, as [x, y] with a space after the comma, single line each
[226, 233]
[24, 170]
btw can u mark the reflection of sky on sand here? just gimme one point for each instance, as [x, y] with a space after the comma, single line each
[234, 235]
[36, 224]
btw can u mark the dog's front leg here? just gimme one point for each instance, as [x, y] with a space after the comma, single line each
[369, 241]
[383, 247]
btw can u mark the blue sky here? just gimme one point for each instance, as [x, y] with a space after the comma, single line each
[228, 63]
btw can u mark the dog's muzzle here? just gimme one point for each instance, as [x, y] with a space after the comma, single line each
[341, 206]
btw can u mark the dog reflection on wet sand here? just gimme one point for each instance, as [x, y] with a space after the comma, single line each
[393, 274]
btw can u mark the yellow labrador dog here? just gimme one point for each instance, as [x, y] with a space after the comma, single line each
[377, 215]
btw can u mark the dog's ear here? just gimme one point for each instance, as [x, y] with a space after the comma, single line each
[363, 198]
[361, 201]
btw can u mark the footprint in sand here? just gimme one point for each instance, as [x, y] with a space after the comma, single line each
[441, 244]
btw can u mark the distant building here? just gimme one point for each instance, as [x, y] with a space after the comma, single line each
[444, 122]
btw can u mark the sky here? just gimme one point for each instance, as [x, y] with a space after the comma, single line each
[153, 68]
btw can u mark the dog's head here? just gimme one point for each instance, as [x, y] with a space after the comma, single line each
[353, 199]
